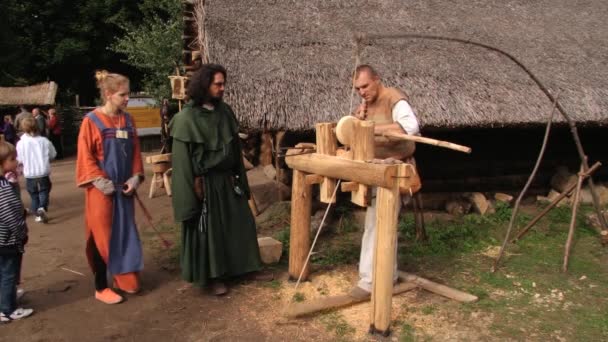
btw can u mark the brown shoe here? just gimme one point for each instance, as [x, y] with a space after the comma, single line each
[260, 276]
[218, 288]
[359, 293]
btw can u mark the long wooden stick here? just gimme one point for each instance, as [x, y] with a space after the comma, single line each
[558, 199]
[541, 153]
[428, 141]
[577, 195]
[437, 288]
[336, 302]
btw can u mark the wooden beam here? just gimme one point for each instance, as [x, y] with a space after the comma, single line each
[387, 204]
[295, 310]
[326, 144]
[437, 288]
[382, 175]
[349, 186]
[363, 149]
[314, 179]
[299, 239]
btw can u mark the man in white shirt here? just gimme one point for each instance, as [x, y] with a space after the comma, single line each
[390, 111]
[35, 153]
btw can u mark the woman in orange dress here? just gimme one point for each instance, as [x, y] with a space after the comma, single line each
[109, 168]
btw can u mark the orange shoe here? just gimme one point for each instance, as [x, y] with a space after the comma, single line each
[128, 291]
[108, 296]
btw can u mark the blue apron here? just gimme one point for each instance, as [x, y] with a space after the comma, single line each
[125, 246]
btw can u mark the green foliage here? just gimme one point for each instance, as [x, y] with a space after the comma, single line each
[336, 323]
[154, 46]
[337, 253]
[407, 333]
[283, 237]
[61, 40]
[299, 297]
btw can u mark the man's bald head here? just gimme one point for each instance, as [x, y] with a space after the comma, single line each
[367, 83]
[368, 69]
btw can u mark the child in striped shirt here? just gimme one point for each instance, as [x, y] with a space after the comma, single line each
[13, 237]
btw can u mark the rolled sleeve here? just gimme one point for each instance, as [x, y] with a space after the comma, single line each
[405, 117]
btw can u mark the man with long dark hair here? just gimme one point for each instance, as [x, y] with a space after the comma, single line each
[210, 188]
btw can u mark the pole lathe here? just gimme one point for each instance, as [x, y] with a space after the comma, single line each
[324, 167]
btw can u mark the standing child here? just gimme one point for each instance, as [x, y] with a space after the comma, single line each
[35, 152]
[13, 237]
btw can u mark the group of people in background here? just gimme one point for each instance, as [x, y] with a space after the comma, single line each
[24, 151]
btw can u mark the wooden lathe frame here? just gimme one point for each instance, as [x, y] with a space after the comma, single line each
[325, 167]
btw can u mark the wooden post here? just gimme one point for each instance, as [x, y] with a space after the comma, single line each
[299, 239]
[577, 194]
[387, 201]
[363, 149]
[266, 149]
[327, 144]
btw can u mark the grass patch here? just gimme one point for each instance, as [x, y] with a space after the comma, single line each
[335, 323]
[299, 297]
[529, 294]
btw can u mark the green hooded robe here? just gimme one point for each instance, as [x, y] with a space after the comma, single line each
[223, 243]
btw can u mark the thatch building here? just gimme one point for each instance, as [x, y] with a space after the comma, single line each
[40, 94]
[290, 64]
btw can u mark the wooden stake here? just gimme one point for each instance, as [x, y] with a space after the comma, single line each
[299, 239]
[529, 226]
[437, 288]
[384, 259]
[327, 145]
[335, 302]
[577, 194]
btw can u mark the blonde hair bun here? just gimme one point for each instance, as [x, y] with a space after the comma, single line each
[101, 75]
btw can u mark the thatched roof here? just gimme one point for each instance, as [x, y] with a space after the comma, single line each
[290, 61]
[39, 94]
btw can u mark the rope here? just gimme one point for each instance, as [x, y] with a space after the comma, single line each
[314, 242]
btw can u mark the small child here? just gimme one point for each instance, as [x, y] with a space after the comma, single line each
[35, 152]
[13, 237]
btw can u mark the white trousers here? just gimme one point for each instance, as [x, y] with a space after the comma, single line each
[368, 244]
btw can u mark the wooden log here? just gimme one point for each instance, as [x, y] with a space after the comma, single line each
[299, 239]
[310, 146]
[266, 149]
[409, 181]
[296, 310]
[428, 141]
[314, 179]
[253, 206]
[159, 158]
[349, 186]
[327, 145]
[362, 144]
[387, 201]
[437, 288]
[351, 170]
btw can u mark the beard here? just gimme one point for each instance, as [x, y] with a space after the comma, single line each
[215, 100]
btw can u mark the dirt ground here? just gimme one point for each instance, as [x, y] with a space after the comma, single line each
[167, 310]
[531, 300]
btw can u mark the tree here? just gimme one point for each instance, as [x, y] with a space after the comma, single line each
[154, 45]
[62, 40]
